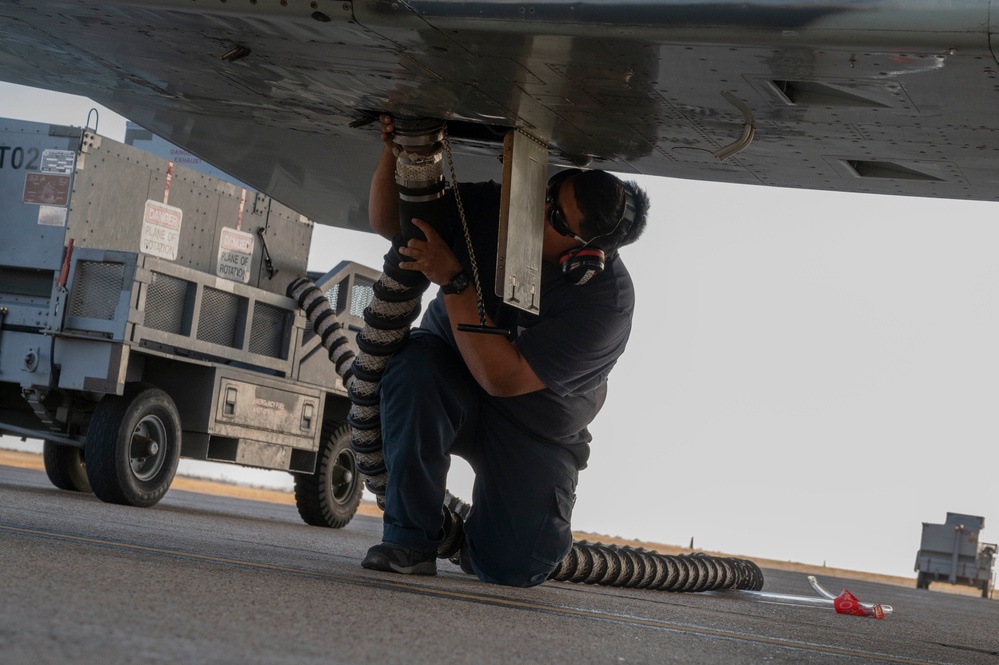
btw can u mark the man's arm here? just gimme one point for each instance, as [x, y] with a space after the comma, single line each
[383, 200]
[493, 360]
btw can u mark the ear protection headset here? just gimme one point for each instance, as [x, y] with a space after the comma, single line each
[581, 264]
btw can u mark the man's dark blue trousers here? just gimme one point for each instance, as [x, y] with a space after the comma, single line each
[431, 407]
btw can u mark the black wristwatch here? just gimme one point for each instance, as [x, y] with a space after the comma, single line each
[457, 284]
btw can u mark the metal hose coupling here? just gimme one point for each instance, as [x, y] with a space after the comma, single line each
[419, 171]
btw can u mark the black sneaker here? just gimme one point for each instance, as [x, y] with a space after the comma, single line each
[452, 535]
[460, 558]
[393, 558]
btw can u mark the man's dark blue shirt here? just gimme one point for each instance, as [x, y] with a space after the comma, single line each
[571, 344]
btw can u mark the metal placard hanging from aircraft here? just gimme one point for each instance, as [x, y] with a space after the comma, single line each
[518, 261]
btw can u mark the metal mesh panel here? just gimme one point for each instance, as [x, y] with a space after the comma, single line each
[333, 294]
[267, 330]
[218, 318]
[361, 295]
[165, 303]
[96, 290]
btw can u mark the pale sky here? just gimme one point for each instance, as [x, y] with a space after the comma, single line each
[810, 377]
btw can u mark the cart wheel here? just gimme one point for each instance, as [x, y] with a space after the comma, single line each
[921, 581]
[986, 589]
[133, 446]
[64, 467]
[329, 496]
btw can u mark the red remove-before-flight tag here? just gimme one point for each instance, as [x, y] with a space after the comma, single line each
[847, 603]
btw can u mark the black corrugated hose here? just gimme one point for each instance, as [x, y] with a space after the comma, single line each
[395, 306]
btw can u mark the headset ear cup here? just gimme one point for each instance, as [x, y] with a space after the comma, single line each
[581, 265]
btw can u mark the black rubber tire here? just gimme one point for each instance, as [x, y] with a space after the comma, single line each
[922, 582]
[65, 468]
[118, 470]
[329, 496]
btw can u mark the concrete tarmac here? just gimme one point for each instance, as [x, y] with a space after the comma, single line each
[209, 579]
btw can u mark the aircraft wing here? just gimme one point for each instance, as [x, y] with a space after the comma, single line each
[852, 95]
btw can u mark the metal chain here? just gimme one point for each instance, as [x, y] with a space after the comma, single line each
[533, 138]
[464, 226]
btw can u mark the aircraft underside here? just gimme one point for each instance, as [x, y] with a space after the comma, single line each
[859, 96]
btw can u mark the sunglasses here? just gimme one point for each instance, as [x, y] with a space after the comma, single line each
[555, 215]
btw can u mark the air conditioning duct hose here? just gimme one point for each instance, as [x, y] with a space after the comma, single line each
[395, 306]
